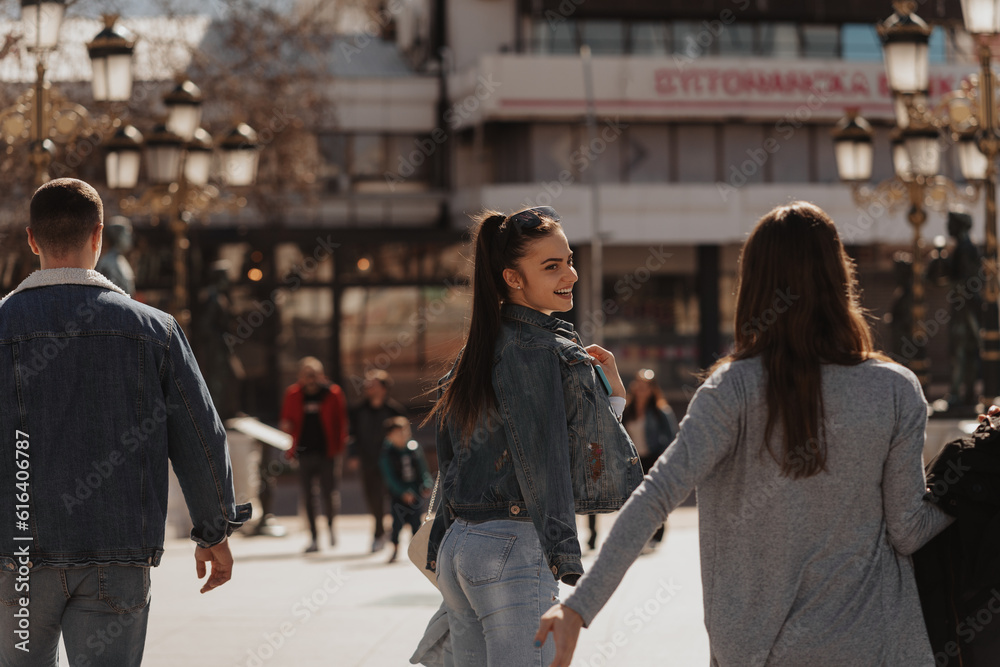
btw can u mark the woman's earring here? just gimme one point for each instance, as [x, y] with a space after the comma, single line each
[517, 287]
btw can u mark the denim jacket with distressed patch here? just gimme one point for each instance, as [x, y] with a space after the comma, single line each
[97, 392]
[550, 448]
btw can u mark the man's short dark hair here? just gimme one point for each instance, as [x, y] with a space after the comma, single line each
[64, 213]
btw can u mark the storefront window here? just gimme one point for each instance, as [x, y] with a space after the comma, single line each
[654, 326]
[413, 333]
[603, 37]
[648, 154]
[820, 41]
[650, 38]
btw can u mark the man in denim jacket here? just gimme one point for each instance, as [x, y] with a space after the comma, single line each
[96, 393]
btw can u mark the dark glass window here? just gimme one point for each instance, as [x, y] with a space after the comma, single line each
[820, 41]
[604, 37]
[649, 38]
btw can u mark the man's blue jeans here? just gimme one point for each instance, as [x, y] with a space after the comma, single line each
[496, 586]
[101, 611]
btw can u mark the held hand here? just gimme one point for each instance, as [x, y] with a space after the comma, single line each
[353, 464]
[994, 410]
[221, 560]
[607, 362]
[564, 624]
[409, 498]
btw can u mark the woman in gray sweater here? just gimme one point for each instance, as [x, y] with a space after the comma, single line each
[805, 447]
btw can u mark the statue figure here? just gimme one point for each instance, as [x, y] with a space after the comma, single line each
[222, 369]
[963, 265]
[901, 315]
[117, 242]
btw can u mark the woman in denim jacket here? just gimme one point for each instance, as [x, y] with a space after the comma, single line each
[527, 438]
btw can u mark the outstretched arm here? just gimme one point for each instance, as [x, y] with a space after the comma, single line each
[564, 624]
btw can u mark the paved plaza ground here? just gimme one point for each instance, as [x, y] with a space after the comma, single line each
[346, 607]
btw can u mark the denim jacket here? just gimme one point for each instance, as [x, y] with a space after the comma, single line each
[98, 391]
[552, 446]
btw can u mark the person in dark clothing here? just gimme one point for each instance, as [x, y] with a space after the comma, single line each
[404, 470]
[958, 572]
[315, 413]
[651, 424]
[368, 430]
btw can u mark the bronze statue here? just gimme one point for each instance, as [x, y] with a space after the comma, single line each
[222, 369]
[963, 266]
[117, 242]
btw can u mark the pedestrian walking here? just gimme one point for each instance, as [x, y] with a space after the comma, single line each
[404, 470]
[368, 420]
[652, 426]
[805, 447]
[527, 436]
[97, 393]
[314, 411]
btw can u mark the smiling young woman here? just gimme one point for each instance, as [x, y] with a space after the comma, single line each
[527, 437]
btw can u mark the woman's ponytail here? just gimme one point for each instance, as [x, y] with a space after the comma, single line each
[470, 391]
[471, 387]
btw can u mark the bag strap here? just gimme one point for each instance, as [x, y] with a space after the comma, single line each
[430, 505]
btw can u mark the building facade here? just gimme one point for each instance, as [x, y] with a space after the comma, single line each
[660, 150]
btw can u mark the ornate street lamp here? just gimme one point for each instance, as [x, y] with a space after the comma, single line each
[982, 17]
[111, 61]
[179, 154]
[198, 158]
[184, 105]
[41, 113]
[124, 152]
[240, 155]
[42, 20]
[852, 147]
[916, 155]
[163, 156]
[904, 39]
[973, 164]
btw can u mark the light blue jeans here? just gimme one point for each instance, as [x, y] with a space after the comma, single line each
[496, 586]
[101, 611]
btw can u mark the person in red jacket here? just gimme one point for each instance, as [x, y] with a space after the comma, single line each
[315, 413]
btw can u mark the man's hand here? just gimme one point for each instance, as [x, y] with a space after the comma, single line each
[353, 463]
[993, 411]
[409, 498]
[564, 624]
[222, 564]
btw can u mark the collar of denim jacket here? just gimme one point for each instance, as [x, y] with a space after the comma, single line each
[65, 276]
[514, 311]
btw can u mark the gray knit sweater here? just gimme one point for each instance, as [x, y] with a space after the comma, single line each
[809, 572]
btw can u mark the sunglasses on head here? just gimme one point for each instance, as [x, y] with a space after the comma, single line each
[529, 218]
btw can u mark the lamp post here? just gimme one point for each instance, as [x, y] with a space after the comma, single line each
[179, 159]
[179, 153]
[917, 186]
[982, 20]
[41, 116]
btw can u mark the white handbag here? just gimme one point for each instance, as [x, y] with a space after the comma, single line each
[416, 551]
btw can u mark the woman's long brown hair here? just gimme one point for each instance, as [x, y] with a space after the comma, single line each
[469, 393]
[797, 307]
